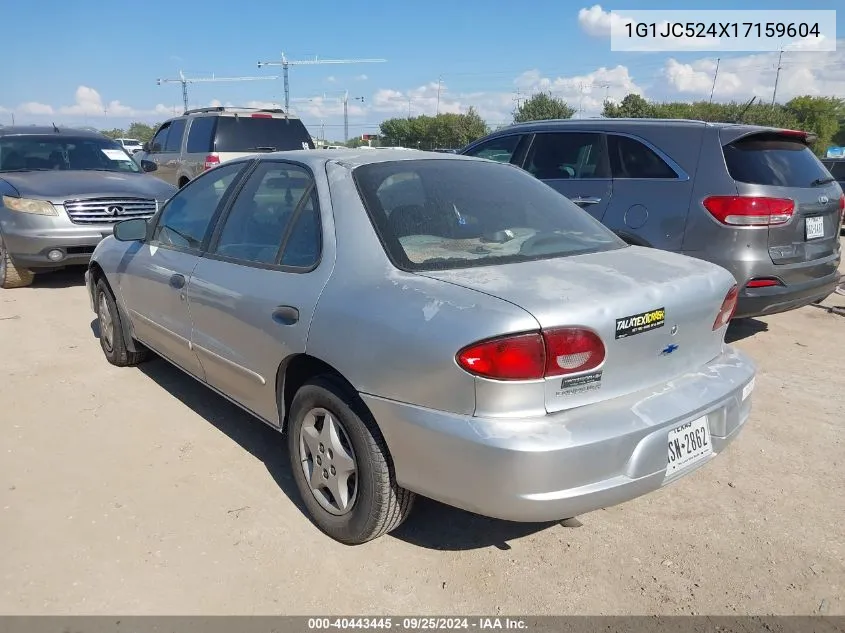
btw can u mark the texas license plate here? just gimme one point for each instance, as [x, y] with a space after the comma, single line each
[688, 444]
[815, 227]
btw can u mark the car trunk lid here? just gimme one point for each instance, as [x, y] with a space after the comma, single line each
[653, 310]
[779, 164]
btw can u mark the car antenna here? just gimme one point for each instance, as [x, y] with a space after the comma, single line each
[744, 110]
[55, 129]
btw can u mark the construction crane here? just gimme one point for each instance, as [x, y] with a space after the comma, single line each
[186, 80]
[286, 63]
[345, 101]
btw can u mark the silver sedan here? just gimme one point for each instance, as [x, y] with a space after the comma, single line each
[425, 323]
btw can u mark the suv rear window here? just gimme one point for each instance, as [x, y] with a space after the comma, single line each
[249, 134]
[438, 214]
[772, 159]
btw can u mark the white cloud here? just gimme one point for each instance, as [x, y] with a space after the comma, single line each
[361, 78]
[33, 107]
[331, 79]
[597, 22]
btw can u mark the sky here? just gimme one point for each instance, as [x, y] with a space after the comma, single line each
[96, 63]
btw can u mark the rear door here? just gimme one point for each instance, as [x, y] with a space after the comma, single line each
[576, 165]
[781, 165]
[252, 295]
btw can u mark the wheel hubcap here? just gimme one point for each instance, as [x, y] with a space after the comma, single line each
[106, 323]
[328, 461]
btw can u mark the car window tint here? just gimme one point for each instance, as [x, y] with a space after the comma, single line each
[836, 169]
[303, 245]
[473, 213]
[259, 217]
[773, 159]
[174, 136]
[556, 155]
[160, 139]
[629, 158]
[260, 132]
[185, 219]
[201, 135]
[499, 149]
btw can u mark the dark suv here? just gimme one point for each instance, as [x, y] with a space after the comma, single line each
[754, 200]
[187, 145]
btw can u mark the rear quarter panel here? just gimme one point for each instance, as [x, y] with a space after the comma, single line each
[395, 334]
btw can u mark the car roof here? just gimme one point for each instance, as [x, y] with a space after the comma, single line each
[353, 158]
[17, 130]
[622, 124]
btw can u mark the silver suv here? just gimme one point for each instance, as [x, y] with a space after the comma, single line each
[184, 147]
[61, 192]
[754, 200]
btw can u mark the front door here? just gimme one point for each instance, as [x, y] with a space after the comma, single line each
[155, 282]
[253, 294]
[576, 165]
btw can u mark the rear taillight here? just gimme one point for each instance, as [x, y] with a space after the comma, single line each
[261, 116]
[750, 210]
[726, 312]
[534, 356]
[212, 160]
[842, 208]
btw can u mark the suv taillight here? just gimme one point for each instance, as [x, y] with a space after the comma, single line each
[750, 210]
[726, 312]
[534, 356]
[212, 160]
[842, 208]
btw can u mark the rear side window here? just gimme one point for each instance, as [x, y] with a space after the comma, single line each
[251, 134]
[836, 169]
[436, 214]
[771, 159]
[629, 158]
[201, 135]
[174, 138]
[564, 155]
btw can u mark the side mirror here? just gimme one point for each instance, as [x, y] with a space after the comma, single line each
[148, 165]
[146, 147]
[134, 230]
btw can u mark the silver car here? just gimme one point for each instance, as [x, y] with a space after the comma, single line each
[430, 323]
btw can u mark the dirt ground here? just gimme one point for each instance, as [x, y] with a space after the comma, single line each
[136, 491]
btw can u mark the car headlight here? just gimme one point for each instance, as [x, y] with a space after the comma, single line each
[28, 205]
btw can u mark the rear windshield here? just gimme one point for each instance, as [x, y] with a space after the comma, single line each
[436, 214]
[769, 159]
[247, 134]
[59, 152]
[836, 168]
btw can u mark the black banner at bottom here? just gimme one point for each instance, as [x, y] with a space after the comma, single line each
[403, 624]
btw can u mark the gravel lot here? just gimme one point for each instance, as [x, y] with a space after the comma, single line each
[137, 491]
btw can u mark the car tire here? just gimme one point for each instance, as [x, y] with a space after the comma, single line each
[10, 275]
[376, 504]
[111, 331]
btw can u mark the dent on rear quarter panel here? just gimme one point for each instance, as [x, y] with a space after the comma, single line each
[394, 334]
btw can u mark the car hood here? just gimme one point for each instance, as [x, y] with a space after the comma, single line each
[60, 185]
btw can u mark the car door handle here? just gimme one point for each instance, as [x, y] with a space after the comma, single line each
[177, 281]
[286, 315]
[586, 200]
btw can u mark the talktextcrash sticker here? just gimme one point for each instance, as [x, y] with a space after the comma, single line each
[575, 385]
[639, 323]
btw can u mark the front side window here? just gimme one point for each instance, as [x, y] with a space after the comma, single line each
[60, 152]
[565, 155]
[185, 220]
[500, 149]
[160, 139]
[457, 213]
[275, 196]
[174, 136]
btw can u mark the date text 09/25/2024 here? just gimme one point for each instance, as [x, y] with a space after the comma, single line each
[417, 623]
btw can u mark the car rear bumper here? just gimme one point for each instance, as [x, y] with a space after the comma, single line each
[764, 301]
[563, 464]
[29, 247]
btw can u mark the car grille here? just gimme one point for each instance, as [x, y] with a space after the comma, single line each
[109, 210]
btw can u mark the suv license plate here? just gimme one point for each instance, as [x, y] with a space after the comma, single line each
[815, 227]
[688, 445]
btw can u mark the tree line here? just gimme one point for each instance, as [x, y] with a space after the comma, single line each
[823, 116]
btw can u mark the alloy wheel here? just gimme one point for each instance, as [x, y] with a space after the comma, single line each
[106, 322]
